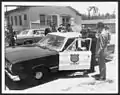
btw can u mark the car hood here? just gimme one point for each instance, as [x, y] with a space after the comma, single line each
[21, 36]
[23, 53]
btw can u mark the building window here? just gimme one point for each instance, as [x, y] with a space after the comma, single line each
[11, 20]
[54, 20]
[65, 20]
[16, 20]
[25, 17]
[42, 19]
[48, 20]
[20, 20]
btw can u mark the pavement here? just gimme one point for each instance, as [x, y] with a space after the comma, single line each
[77, 83]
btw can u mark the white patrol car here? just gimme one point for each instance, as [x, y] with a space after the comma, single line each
[55, 52]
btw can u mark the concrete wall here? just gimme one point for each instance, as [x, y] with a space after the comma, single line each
[36, 11]
[78, 20]
[33, 14]
[59, 11]
[25, 23]
[113, 39]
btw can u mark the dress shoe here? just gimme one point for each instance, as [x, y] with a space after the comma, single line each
[89, 71]
[97, 75]
[100, 79]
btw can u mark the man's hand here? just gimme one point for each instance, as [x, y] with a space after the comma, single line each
[97, 35]
[97, 53]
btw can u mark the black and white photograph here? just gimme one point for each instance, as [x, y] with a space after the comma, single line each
[59, 47]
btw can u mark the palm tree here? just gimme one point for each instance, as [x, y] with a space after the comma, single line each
[95, 10]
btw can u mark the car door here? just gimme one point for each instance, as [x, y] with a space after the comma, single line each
[77, 56]
[37, 35]
[29, 36]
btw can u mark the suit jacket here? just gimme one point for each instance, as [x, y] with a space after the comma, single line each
[102, 41]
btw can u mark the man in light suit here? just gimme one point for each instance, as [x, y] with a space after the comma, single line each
[101, 47]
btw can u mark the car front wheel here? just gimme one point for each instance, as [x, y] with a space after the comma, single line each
[39, 75]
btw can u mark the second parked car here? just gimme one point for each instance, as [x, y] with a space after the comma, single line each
[29, 36]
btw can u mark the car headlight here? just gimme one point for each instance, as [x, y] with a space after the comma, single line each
[8, 65]
[16, 68]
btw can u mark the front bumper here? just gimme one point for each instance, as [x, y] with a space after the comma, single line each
[13, 77]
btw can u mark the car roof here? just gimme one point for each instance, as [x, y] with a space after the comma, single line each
[67, 34]
[32, 29]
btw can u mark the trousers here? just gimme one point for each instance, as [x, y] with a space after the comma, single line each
[102, 65]
[12, 42]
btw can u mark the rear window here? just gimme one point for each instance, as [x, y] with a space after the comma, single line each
[24, 32]
[37, 32]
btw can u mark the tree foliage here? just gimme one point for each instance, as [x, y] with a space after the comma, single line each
[94, 13]
[100, 16]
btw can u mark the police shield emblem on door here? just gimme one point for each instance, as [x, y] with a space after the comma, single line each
[74, 58]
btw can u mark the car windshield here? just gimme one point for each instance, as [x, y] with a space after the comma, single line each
[52, 42]
[25, 32]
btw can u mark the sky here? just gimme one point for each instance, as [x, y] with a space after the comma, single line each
[104, 7]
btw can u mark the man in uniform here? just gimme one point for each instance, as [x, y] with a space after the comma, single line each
[101, 45]
[91, 34]
[87, 33]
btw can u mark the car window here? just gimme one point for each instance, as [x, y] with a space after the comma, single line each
[24, 32]
[36, 32]
[72, 47]
[52, 41]
[69, 41]
[79, 45]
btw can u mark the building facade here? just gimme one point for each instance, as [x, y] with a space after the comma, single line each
[111, 23]
[26, 17]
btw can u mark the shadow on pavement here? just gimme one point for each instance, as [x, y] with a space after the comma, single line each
[21, 85]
